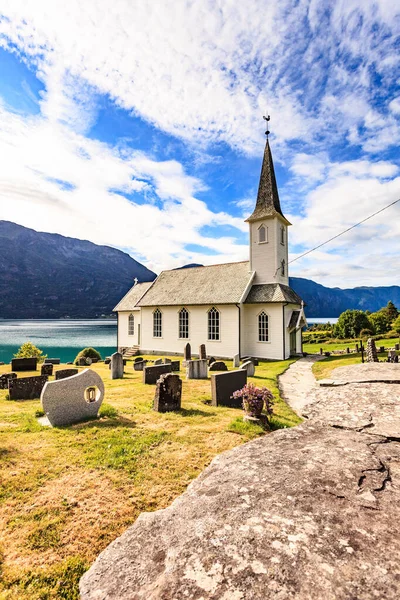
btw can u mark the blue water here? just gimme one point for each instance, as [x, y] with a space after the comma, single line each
[331, 320]
[58, 339]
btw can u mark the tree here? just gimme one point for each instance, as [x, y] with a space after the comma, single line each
[380, 322]
[29, 350]
[392, 311]
[350, 323]
[396, 325]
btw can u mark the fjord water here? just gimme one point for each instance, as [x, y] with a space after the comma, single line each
[58, 338]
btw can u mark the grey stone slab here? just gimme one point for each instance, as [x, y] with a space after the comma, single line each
[26, 388]
[236, 361]
[64, 373]
[196, 369]
[24, 364]
[249, 367]
[159, 361]
[152, 374]
[224, 384]
[74, 399]
[117, 366]
[5, 378]
[168, 393]
[218, 365]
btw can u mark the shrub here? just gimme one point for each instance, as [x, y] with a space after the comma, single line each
[87, 353]
[350, 324]
[29, 350]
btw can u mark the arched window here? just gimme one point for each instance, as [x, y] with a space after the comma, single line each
[157, 323]
[262, 234]
[283, 267]
[183, 323]
[213, 324]
[282, 236]
[131, 325]
[263, 327]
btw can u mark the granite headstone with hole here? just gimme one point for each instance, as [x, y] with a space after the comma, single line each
[74, 399]
[224, 384]
[46, 369]
[153, 373]
[196, 369]
[117, 366]
[5, 378]
[26, 388]
[218, 365]
[64, 373]
[24, 364]
[168, 393]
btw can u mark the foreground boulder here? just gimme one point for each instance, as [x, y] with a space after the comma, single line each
[308, 513]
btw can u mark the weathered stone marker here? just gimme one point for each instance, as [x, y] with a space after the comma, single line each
[64, 373]
[168, 393]
[24, 364]
[175, 365]
[224, 384]
[187, 355]
[372, 355]
[117, 366]
[202, 352]
[196, 369]
[81, 362]
[138, 359]
[236, 361]
[152, 374]
[249, 367]
[158, 361]
[73, 399]
[218, 365]
[139, 365]
[5, 378]
[26, 388]
[46, 369]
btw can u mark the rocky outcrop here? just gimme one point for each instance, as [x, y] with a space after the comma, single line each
[308, 513]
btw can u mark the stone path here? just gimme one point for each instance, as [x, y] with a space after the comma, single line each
[298, 382]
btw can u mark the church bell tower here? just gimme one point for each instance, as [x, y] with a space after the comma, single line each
[268, 228]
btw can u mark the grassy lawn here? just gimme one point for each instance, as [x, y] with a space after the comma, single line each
[65, 493]
[328, 347]
[323, 368]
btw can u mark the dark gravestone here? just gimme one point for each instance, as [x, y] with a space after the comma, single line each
[107, 360]
[47, 369]
[167, 361]
[139, 359]
[211, 360]
[187, 355]
[224, 384]
[218, 365]
[152, 374]
[397, 347]
[158, 361]
[202, 352]
[81, 362]
[168, 393]
[5, 378]
[175, 366]
[24, 364]
[381, 348]
[52, 361]
[26, 388]
[253, 360]
[64, 373]
[139, 365]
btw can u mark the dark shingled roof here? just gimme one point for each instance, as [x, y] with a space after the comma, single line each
[268, 204]
[293, 319]
[272, 292]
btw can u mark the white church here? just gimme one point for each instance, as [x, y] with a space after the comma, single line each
[244, 308]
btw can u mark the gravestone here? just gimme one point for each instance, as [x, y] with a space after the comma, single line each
[73, 399]
[117, 366]
[168, 393]
[187, 355]
[107, 360]
[152, 374]
[26, 388]
[81, 362]
[253, 360]
[5, 378]
[224, 384]
[211, 360]
[175, 366]
[47, 369]
[218, 365]
[381, 348]
[236, 361]
[321, 351]
[397, 347]
[64, 373]
[371, 351]
[202, 352]
[249, 367]
[347, 350]
[167, 361]
[138, 359]
[158, 361]
[24, 364]
[196, 369]
[89, 361]
[139, 365]
[52, 361]
[357, 348]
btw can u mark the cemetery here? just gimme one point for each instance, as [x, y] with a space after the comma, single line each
[70, 490]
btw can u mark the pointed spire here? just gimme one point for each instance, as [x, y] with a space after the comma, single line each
[268, 204]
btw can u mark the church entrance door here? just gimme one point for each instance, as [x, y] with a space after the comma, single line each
[293, 348]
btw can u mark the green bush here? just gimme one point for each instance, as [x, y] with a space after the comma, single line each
[87, 353]
[29, 350]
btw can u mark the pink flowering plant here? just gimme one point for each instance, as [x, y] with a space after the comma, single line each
[254, 399]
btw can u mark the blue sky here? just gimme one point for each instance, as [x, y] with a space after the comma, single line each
[139, 125]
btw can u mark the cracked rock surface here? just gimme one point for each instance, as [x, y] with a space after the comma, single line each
[309, 513]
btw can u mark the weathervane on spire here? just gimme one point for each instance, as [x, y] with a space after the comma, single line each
[267, 118]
